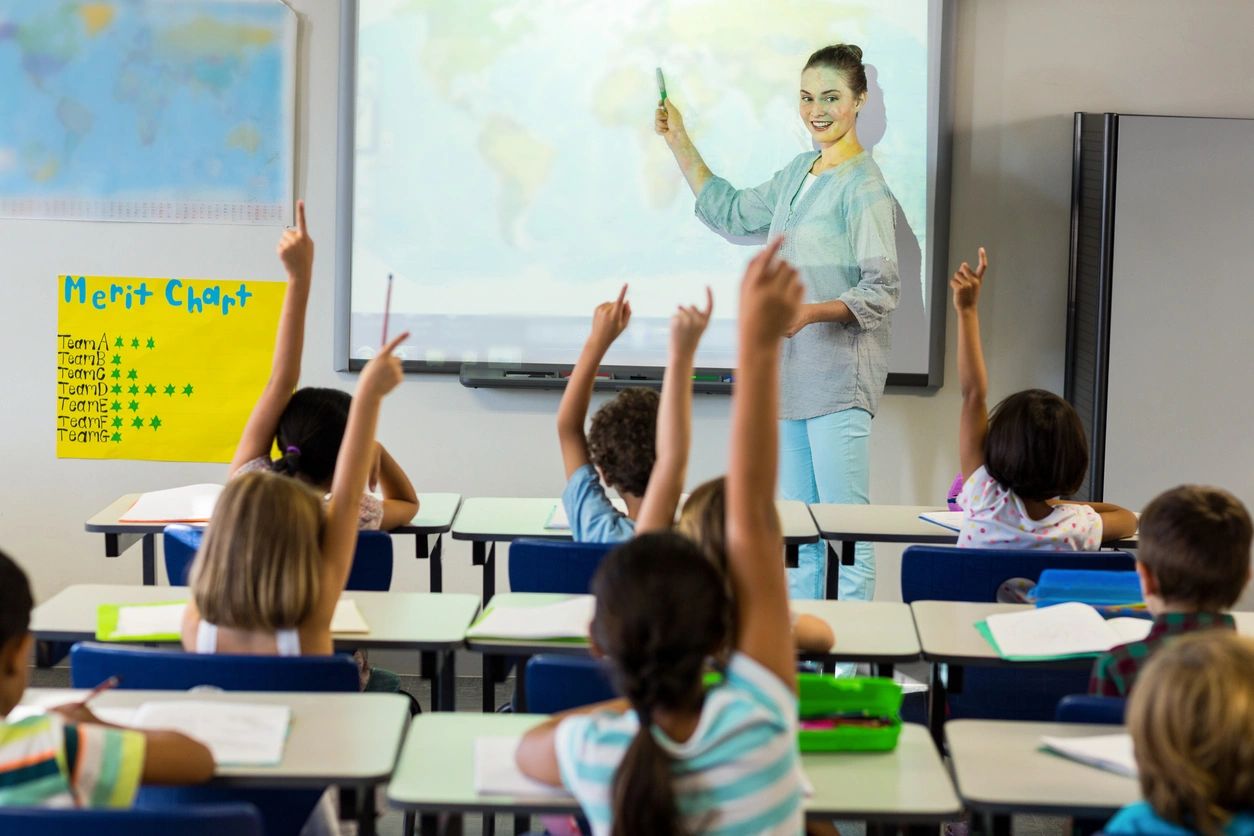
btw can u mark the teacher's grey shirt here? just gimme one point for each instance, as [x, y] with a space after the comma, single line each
[841, 236]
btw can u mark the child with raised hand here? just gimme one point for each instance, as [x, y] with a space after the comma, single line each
[1193, 561]
[275, 559]
[1192, 724]
[68, 757]
[308, 425]
[662, 612]
[1021, 458]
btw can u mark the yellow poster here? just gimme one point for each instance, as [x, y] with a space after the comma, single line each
[160, 369]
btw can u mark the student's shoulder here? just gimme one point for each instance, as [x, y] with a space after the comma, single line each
[748, 683]
[1139, 818]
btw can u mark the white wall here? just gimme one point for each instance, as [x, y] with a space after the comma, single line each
[1022, 68]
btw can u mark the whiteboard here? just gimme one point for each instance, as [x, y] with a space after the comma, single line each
[498, 160]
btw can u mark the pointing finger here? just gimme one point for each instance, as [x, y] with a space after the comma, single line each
[300, 217]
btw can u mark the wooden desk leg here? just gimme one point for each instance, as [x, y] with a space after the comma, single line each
[792, 555]
[150, 559]
[936, 705]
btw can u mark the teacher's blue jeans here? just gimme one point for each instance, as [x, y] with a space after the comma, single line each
[828, 459]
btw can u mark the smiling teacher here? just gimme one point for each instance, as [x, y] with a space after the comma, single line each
[838, 218]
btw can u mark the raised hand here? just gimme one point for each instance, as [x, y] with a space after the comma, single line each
[966, 283]
[668, 122]
[689, 323]
[383, 373]
[770, 296]
[610, 319]
[296, 248]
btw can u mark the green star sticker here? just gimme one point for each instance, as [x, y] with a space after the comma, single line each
[169, 389]
[133, 406]
[117, 437]
[135, 343]
[132, 389]
[150, 389]
[117, 373]
[117, 406]
[155, 423]
[152, 343]
[117, 421]
[187, 390]
[117, 389]
[138, 423]
[132, 375]
[117, 343]
[117, 359]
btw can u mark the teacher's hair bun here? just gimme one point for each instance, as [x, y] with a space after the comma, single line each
[852, 49]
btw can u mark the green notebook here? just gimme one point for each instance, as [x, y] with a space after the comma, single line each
[161, 621]
[982, 628]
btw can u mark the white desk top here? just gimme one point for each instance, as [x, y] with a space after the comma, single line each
[501, 519]
[435, 516]
[999, 768]
[436, 773]
[397, 620]
[334, 739]
[866, 631]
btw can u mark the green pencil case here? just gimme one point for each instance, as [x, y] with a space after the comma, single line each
[848, 714]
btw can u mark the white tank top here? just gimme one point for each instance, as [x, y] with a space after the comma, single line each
[287, 642]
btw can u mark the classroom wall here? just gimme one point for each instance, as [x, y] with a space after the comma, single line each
[1022, 68]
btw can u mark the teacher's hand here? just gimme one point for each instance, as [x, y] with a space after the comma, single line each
[802, 319]
[668, 122]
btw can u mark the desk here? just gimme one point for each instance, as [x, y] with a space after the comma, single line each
[435, 774]
[486, 521]
[999, 769]
[851, 524]
[350, 740]
[398, 621]
[435, 516]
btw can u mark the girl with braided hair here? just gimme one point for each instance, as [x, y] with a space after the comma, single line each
[677, 756]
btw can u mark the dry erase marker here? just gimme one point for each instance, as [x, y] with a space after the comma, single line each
[387, 310]
[111, 682]
[661, 85]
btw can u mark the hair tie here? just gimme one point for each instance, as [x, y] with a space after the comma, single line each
[292, 448]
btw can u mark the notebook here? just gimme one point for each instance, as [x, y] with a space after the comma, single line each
[238, 734]
[951, 520]
[1059, 632]
[568, 619]
[163, 621]
[1111, 752]
[189, 504]
[496, 772]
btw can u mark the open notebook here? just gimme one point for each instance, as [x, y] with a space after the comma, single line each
[1111, 752]
[238, 734]
[568, 619]
[189, 504]
[164, 621]
[1060, 631]
[951, 520]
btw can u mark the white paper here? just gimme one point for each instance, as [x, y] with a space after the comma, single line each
[945, 519]
[241, 734]
[569, 619]
[106, 714]
[496, 772]
[347, 618]
[1111, 752]
[189, 504]
[1060, 630]
[157, 620]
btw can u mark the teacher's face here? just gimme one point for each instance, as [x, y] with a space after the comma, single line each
[828, 107]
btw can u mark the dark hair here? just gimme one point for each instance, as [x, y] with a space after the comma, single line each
[622, 439]
[1036, 445]
[845, 59]
[1196, 539]
[15, 601]
[661, 612]
[309, 433]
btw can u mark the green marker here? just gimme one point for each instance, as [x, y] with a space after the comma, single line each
[707, 378]
[661, 85]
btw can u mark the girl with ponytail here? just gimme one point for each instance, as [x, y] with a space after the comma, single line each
[674, 756]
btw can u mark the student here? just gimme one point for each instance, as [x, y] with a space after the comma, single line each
[662, 611]
[274, 560]
[309, 425]
[1022, 457]
[1193, 560]
[1192, 725]
[639, 446]
[68, 757]
[703, 520]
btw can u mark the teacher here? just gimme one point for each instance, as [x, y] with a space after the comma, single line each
[838, 218]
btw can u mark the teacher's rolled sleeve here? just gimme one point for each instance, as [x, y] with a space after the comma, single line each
[872, 215]
[735, 211]
[593, 518]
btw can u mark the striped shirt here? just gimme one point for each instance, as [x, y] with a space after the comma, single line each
[47, 762]
[739, 773]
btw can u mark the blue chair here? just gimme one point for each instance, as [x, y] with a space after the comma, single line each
[943, 573]
[554, 565]
[1083, 708]
[283, 811]
[372, 561]
[555, 683]
[196, 820]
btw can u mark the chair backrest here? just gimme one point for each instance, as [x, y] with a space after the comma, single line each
[554, 565]
[1083, 708]
[169, 670]
[556, 683]
[946, 573]
[200, 820]
[372, 561]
